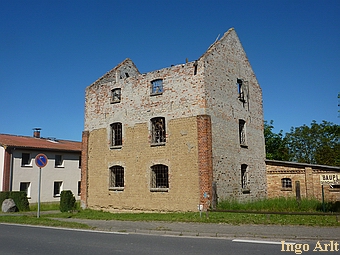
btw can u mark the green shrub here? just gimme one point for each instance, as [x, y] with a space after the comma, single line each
[3, 195]
[19, 198]
[67, 201]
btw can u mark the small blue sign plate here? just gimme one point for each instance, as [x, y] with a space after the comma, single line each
[41, 160]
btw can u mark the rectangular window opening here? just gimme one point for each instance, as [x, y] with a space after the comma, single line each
[79, 188]
[286, 184]
[116, 134]
[158, 130]
[195, 67]
[57, 188]
[240, 90]
[159, 178]
[25, 159]
[58, 161]
[244, 176]
[115, 95]
[157, 87]
[116, 178]
[242, 133]
[26, 187]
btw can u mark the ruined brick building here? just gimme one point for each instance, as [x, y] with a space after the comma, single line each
[175, 138]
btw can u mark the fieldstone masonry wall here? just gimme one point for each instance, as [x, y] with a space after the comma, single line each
[224, 64]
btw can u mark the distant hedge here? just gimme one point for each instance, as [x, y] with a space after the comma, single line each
[19, 198]
[67, 201]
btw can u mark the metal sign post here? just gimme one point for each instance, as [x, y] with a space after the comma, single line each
[40, 161]
[328, 179]
[323, 199]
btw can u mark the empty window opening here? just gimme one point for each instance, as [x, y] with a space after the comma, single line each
[244, 176]
[116, 134]
[195, 67]
[115, 95]
[79, 188]
[116, 177]
[159, 177]
[25, 159]
[127, 75]
[242, 133]
[286, 183]
[58, 161]
[240, 90]
[26, 187]
[157, 87]
[158, 130]
[57, 188]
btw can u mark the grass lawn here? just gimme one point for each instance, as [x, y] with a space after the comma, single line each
[274, 205]
[211, 217]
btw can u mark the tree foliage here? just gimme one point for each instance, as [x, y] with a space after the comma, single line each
[276, 145]
[314, 144]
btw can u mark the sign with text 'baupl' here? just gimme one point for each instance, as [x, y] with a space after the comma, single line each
[329, 179]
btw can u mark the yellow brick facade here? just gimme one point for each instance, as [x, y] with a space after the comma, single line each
[137, 156]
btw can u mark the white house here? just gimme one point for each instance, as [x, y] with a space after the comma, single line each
[19, 172]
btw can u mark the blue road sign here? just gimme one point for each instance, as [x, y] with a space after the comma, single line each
[41, 160]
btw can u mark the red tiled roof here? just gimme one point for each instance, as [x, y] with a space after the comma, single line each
[38, 143]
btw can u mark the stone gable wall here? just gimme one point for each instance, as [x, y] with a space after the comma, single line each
[224, 64]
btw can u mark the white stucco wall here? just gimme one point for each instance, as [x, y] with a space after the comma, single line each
[2, 158]
[68, 174]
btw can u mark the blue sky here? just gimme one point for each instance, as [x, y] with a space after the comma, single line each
[51, 50]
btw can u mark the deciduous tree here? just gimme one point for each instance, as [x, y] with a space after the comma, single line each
[317, 144]
[276, 145]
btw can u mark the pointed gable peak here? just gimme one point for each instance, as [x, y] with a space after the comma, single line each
[125, 69]
[218, 41]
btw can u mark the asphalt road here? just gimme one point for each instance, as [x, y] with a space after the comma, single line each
[18, 239]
